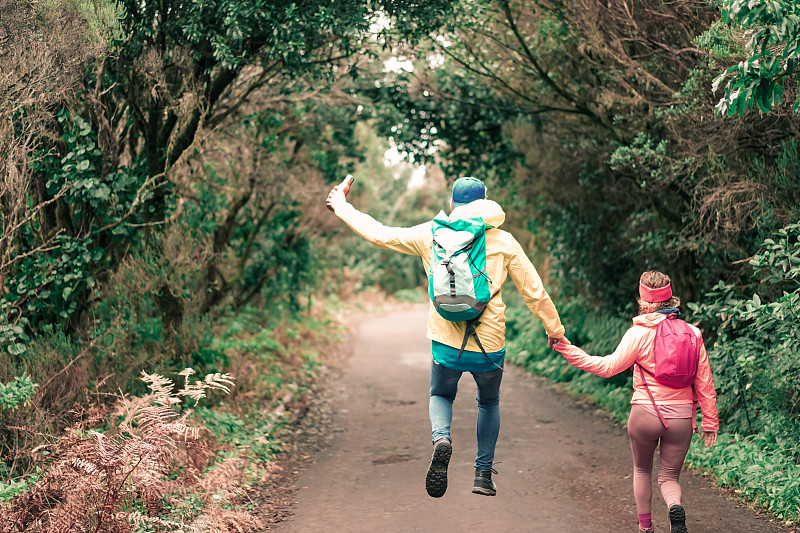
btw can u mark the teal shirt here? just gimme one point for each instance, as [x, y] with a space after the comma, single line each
[469, 361]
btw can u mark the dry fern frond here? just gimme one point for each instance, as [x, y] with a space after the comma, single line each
[161, 388]
[218, 520]
[104, 481]
[86, 466]
[153, 501]
[154, 418]
[219, 381]
[138, 519]
[66, 518]
[197, 389]
[89, 416]
[224, 481]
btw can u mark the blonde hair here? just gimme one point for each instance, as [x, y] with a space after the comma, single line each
[655, 280]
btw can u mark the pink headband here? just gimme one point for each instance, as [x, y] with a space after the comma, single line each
[649, 294]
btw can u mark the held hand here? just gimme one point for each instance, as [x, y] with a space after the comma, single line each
[553, 341]
[709, 438]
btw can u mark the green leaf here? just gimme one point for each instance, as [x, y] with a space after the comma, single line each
[16, 349]
[763, 96]
[777, 94]
[741, 104]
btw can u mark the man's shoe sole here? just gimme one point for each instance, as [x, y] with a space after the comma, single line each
[677, 519]
[484, 492]
[436, 480]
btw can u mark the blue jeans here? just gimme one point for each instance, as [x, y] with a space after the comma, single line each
[444, 386]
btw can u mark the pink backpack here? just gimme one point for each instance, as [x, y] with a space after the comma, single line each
[676, 352]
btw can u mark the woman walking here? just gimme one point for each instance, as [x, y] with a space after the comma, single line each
[661, 416]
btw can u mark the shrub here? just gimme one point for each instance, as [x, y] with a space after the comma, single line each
[756, 355]
[17, 392]
[121, 479]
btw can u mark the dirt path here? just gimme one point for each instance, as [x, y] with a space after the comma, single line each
[563, 468]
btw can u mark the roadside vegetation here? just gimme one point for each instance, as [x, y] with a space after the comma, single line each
[163, 169]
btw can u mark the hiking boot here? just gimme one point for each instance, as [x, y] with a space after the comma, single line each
[677, 519]
[436, 480]
[483, 483]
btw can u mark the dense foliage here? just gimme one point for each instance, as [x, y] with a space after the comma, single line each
[596, 121]
[774, 37]
[756, 352]
[162, 170]
[162, 166]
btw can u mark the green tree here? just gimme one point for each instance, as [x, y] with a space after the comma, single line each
[115, 156]
[596, 122]
[162, 163]
[772, 56]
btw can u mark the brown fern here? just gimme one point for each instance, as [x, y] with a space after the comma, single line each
[115, 481]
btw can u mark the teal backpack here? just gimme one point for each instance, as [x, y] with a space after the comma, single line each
[457, 282]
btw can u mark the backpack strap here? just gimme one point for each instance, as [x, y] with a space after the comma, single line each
[652, 399]
[655, 406]
[470, 332]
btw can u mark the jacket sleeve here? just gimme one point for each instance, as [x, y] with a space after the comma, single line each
[410, 241]
[622, 358]
[706, 395]
[529, 285]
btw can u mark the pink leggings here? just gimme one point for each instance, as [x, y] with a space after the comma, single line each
[645, 431]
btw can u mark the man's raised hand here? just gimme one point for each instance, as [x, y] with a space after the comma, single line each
[338, 195]
[336, 198]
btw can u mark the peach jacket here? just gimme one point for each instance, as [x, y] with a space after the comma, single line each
[636, 346]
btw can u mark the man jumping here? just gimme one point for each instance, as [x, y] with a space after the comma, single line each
[504, 257]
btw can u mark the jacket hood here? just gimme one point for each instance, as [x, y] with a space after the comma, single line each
[649, 320]
[490, 211]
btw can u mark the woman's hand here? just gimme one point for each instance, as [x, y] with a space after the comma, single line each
[709, 438]
[553, 341]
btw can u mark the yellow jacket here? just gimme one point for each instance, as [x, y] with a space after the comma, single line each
[504, 256]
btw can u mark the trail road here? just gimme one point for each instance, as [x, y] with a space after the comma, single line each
[563, 467]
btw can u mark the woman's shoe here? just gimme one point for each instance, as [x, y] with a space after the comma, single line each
[677, 519]
[648, 530]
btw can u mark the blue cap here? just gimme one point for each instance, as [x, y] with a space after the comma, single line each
[466, 190]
